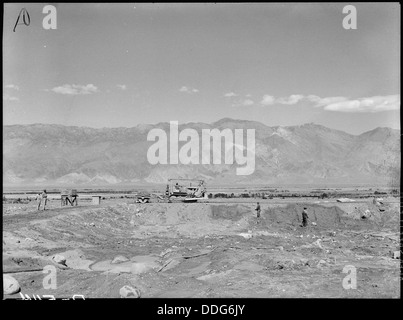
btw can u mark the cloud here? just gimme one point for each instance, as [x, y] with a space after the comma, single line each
[320, 102]
[267, 100]
[292, 99]
[75, 89]
[122, 86]
[340, 104]
[12, 86]
[247, 102]
[372, 104]
[242, 103]
[296, 98]
[7, 97]
[313, 98]
[188, 90]
[230, 94]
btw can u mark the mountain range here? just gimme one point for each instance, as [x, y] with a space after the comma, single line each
[44, 154]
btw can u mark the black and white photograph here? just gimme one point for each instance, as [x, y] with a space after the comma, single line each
[168, 151]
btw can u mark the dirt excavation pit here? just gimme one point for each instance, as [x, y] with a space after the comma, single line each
[205, 249]
[190, 220]
[323, 217]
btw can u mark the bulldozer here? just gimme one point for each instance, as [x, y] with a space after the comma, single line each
[186, 190]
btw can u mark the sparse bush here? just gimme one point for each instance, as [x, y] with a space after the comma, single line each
[220, 195]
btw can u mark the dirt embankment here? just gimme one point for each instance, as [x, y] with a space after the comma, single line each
[324, 217]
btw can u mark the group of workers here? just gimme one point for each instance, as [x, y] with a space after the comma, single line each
[42, 197]
[305, 217]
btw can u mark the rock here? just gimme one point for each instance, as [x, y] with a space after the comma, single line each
[345, 200]
[317, 243]
[10, 285]
[129, 292]
[139, 267]
[119, 259]
[58, 258]
[332, 260]
[280, 248]
[396, 255]
[246, 235]
[261, 233]
[280, 265]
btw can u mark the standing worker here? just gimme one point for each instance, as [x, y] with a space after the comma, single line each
[304, 218]
[167, 192]
[258, 211]
[38, 199]
[43, 196]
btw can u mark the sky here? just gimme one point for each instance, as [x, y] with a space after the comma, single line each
[120, 65]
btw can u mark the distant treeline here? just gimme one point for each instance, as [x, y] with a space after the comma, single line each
[311, 194]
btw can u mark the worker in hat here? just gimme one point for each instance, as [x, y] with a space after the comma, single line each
[42, 197]
[258, 212]
[304, 218]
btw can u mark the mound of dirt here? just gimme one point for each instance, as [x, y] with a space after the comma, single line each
[390, 217]
[385, 215]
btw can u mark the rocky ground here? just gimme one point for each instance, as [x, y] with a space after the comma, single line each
[205, 250]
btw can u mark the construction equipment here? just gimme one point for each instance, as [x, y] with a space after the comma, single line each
[186, 190]
[143, 197]
[68, 196]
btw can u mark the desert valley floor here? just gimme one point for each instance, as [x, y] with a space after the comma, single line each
[208, 250]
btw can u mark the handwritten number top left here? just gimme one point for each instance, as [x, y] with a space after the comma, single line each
[25, 18]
